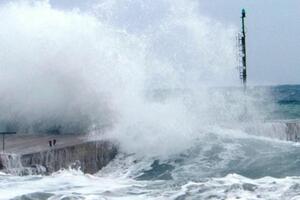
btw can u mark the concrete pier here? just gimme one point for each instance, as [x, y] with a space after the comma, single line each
[293, 131]
[288, 130]
[32, 154]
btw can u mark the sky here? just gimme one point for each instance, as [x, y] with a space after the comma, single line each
[273, 34]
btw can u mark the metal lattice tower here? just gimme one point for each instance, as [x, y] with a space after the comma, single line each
[242, 52]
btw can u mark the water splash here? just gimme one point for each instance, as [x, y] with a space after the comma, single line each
[86, 71]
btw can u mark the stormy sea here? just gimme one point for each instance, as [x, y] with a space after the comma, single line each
[157, 79]
[216, 162]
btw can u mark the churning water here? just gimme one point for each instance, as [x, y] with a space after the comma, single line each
[219, 165]
[149, 74]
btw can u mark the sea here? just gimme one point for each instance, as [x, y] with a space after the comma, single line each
[222, 163]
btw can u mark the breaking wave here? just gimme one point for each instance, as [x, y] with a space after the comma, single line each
[149, 75]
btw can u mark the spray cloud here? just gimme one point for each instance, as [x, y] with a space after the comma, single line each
[140, 68]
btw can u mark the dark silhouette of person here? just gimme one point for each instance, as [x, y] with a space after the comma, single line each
[50, 143]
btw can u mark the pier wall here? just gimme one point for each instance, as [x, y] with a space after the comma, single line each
[89, 156]
[288, 130]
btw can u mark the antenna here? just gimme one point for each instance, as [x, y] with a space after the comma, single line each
[242, 52]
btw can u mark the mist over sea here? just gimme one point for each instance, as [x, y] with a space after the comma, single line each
[160, 80]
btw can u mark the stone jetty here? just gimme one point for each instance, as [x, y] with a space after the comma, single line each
[44, 154]
[288, 130]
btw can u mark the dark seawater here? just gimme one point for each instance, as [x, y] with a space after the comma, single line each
[287, 98]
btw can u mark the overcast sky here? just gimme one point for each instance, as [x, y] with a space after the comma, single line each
[273, 30]
[273, 34]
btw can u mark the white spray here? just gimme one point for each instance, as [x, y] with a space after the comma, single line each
[140, 68]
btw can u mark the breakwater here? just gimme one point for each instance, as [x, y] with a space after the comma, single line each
[22, 157]
[288, 130]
